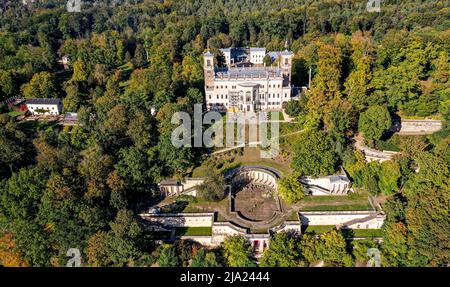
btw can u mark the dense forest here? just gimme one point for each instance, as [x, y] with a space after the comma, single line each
[83, 186]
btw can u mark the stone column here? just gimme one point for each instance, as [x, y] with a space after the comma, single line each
[261, 246]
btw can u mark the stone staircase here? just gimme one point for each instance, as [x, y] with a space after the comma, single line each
[358, 220]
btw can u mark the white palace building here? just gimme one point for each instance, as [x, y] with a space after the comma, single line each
[245, 83]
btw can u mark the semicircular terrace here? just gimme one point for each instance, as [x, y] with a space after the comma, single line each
[254, 194]
[244, 175]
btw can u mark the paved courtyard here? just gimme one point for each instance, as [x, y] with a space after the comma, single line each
[255, 203]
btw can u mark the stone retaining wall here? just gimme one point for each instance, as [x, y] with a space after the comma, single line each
[180, 219]
[367, 219]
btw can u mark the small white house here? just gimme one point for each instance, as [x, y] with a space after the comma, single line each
[327, 185]
[46, 107]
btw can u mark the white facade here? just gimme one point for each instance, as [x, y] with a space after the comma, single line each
[44, 106]
[227, 54]
[349, 219]
[245, 84]
[173, 187]
[328, 185]
[257, 55]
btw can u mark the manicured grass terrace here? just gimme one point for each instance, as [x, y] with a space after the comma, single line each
[193, 231]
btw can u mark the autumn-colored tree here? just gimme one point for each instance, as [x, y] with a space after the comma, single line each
[326, 84]
[282, 251]
[42, 85]
[290, 189]
[332, 248]
[79, 71]
[238, 252]
[357, 85]
[9, 256]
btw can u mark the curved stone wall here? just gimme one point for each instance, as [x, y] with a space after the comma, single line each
[260, 175]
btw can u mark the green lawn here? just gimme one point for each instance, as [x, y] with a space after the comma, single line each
[288, 128]
[272, 115]
[202, 207]
[344, 207]
[353, 201]
[409, 117]
[193, 231]
[317, 228]
[250, 156]
[351, 198]
[367, 233]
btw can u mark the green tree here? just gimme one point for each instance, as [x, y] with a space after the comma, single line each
[98, 251]
[238, 252]
[267, 60]
[314, 154]
[308, 248]
[374, 122]
[42, 85]
[326, 84]
[6, 84]
[282, 251]
[357, 85]
[140, 56]
[79, 71]
[72, 101]
[123, 239]
[332, 248]
[293, 108]
[389, 175]
[204, 258]
[428, 197]
[213, 188]
[12, 148]
[360, 248]
[168, 257]
[290, 189]
[192, 69]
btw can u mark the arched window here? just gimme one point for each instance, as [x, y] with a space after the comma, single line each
[248, 96]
